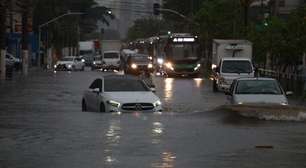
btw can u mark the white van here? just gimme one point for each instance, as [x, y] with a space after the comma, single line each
[111, 60]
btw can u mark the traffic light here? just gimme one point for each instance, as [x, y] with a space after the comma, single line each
[156, 8]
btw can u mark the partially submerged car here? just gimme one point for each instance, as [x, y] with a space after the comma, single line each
[138, 64]
[120, 93]
[258, 91]
[70, 63]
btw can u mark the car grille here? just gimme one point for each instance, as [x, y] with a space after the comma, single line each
[184, 69]
[143, 67]
[137, 106]
[61, 66]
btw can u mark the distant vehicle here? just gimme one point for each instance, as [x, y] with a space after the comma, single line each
[70, 63]
[111, 45]
[111, 60]
[17, 63]
[231, 59]
[257, 91]
[139, 63]
[180, 54]
[97, 62]
[120, 94]
[88, 51]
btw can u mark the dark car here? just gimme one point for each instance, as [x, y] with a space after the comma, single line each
[138, 64]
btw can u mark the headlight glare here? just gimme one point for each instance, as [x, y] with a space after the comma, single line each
[157, 103]
[134, 66]
[113, 103]
[150, 66]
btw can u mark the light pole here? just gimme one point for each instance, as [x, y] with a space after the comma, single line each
[46, 24]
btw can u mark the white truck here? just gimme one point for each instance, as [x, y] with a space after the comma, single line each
[87, 51]
[231, 59]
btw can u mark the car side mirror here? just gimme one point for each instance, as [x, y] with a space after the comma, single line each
[96, 90]
[289, 93]
[153, 89]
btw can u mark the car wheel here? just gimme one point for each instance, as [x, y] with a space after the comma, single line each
[215, 87]
[102, 107]
[84, 106]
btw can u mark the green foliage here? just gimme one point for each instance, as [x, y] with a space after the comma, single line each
[66, 30]
[144, 28]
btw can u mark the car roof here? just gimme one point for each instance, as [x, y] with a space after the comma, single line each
[256, 78]
[120, 77]
[236, 58]
[111, 51]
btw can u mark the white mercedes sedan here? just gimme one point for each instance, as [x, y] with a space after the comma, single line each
[258, 91]
[120, 93]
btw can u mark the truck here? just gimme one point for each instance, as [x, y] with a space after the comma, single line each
[111, 45]
[87, 51]
[231, 59]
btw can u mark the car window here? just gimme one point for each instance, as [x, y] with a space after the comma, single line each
[67, 59]
[258, 87]
[229, 66]
[111, 55]
[96, 84]
[124, 85]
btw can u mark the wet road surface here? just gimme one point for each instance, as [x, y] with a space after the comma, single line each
[41, 125]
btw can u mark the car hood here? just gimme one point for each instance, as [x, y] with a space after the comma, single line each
[64, 62]
[131, 97]
[260, 98]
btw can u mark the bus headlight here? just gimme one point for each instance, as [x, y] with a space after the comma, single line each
[150, 66]
[134, 66]
[197, 67]
[169, 66]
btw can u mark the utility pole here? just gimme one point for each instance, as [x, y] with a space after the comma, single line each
[24, 40]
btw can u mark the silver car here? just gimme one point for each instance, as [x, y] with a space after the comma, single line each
[119, 93]
[257, 91]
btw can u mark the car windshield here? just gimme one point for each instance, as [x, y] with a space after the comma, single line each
[97, 58]
[236, 66]
[111, 55]
[67, 59]
[124, 85]
[143, 59]
[258, 87]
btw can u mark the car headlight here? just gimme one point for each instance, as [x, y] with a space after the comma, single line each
[150, 66]
[83, 60]
[150, 58]
[197, 67]
[113, 103]
[134, 66]
[55, 66]
[94, 62]
[169, 65]
[213, 66]
[160, 61]
[69, 66]
[157, 103]
[240, 103]
[284, 103]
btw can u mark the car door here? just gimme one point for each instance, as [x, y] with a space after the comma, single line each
[93, 95]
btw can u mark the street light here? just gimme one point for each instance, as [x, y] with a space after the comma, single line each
[46, 24]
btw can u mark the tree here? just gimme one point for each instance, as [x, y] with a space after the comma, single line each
[144, 28]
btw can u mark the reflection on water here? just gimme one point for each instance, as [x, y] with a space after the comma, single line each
[198, 82]
[113, 136]
[157, 132]
[168, 88]
[168, 161]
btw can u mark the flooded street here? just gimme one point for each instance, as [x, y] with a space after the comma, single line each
[42, 125]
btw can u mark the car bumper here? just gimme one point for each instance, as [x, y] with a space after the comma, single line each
[62, 68]
[112, 109]
[110, 66]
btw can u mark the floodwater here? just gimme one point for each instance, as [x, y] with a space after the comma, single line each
[41, 125]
